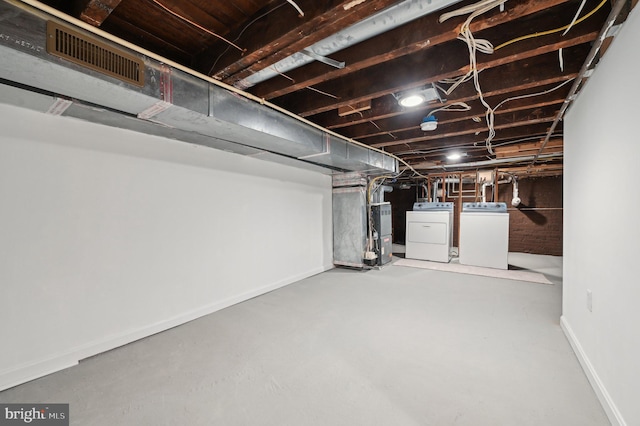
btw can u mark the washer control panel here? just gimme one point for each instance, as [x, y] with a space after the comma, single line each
[485, 207]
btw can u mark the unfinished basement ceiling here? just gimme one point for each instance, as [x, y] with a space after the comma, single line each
[233, 40]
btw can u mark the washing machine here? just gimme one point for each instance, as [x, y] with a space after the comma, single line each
[429, 231]
[484, 235]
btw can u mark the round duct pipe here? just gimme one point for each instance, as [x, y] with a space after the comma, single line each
[378, 196]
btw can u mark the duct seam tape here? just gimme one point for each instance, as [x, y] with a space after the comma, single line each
[59, 106]
[154, 110]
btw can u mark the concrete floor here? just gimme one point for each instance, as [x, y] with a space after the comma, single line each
[399, 346]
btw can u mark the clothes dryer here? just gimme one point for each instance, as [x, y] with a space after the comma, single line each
[429, 231]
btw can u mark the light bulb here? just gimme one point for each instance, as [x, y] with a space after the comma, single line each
[411, 100]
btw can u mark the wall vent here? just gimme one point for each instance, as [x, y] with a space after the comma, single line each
[96, 55]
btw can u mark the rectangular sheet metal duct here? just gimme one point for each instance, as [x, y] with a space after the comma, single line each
[171, 102]
[381, 22]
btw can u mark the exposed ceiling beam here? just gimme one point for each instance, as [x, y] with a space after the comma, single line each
[506, 121]
[191, 12]
[267, 44]
[479, 151]
[387, 108]
[158, 45]
[539, 170]
[430, 66]
[554, 145]
[95, 12]
[505, 136]
[486, 164]
[410, 38]
[408, 121]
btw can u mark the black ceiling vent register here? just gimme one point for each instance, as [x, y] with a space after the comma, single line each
[96, 55]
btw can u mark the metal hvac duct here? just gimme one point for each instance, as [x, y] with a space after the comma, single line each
[162, 101]
[381, 22]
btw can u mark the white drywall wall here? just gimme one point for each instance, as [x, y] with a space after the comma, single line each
[108, 235]
[602, 227]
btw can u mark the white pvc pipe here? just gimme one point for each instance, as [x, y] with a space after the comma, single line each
[484, 188]
[515, 202]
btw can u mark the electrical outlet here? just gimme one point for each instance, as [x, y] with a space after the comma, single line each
[589, 300]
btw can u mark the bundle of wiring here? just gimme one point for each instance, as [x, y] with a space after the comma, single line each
[453, 82]
[474, 46]
[565, 28]
[491, 111]
[455, 106]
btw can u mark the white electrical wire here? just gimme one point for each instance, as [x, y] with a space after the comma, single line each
[240, 35]
[531, 95]
[467, 9]
[561, 59]
[575, 18]
[474, 45]
[456, 106]
[491, 111]
[293, 3]
[454, 82]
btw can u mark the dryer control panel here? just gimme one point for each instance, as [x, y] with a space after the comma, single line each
[432, 206]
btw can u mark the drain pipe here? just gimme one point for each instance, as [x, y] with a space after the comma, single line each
[425, 190]
[515, 202]
[484, 191]
[444, 182]
[435, 191]
[484, 188]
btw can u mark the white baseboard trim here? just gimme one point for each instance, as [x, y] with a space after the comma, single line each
[29, 371]
[26, 372]
[610, 408]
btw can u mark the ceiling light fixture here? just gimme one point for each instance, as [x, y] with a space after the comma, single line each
[455, 156]
[429, 123]
[411, 100]
[415, 97]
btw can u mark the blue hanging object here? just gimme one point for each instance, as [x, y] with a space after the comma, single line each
[429, 123]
